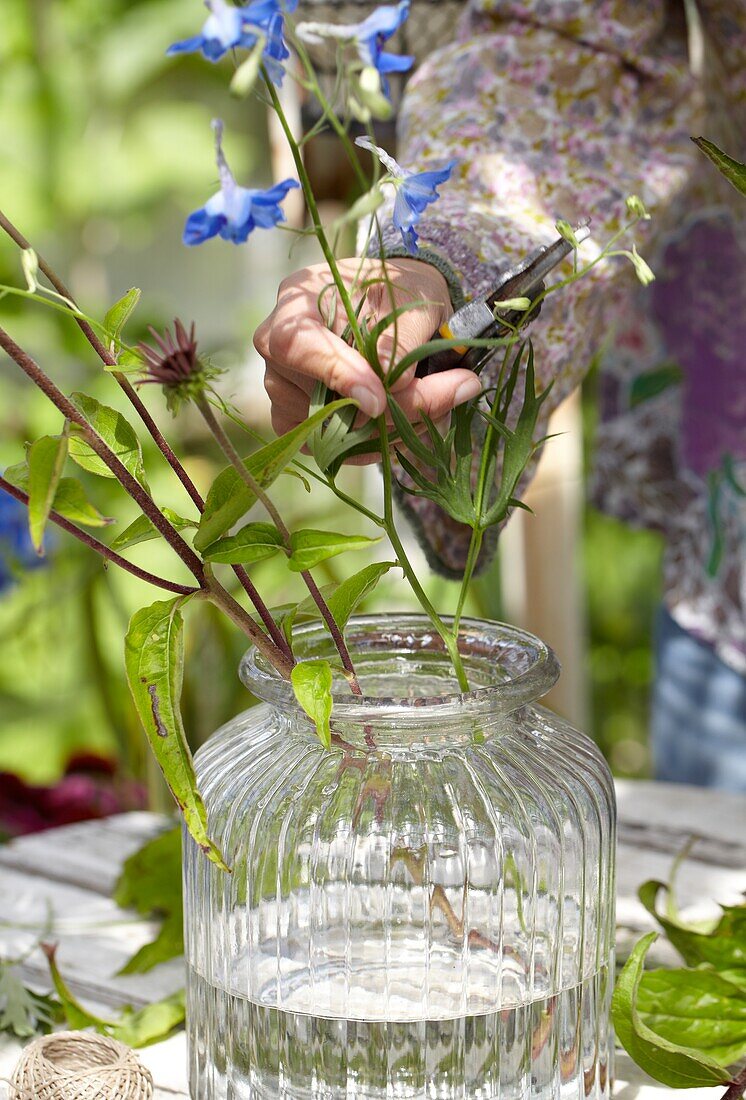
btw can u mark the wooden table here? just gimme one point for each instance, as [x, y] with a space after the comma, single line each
[70, 873]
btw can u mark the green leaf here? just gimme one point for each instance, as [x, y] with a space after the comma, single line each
[151, 1024]
[46, 461]
[696, 1008]
[519, 445]
[733, 170]
[142, 530]
[71, 502]
[351, 592]
[114, 430]
[154, 660]
[117, 317]
[341, 599]
[230, 498]
[312, 684]
[70, 499]
[22, 1012]
[137, 1029]
[150, 882]
[309, 547]
[665, 1061]
[722, 947]
[652, 382]
[254, 542]
[336, 438]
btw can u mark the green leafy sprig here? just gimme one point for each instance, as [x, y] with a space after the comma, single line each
[686, 1026]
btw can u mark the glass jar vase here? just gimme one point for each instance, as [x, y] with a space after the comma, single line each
[426, 910]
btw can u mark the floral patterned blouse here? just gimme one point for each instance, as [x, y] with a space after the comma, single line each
[562, 108]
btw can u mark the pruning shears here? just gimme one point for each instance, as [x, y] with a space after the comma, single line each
[483, 317]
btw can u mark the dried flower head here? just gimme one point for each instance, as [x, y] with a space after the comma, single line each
[175, 364]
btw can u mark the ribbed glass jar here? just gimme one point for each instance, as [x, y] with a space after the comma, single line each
[426, 910]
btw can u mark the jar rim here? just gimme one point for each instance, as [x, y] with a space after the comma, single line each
[525, 668]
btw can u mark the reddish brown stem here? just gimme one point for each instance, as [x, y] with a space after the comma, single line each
[101, 548]
[32, 369]
[737, 1086]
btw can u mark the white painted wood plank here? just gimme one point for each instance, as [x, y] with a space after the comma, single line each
[89, 854]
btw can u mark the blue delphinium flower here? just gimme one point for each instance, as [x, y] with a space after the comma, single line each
[368, 37]
[275, 51]
[414, 191]
[16, 548]
[235, 211]
[374, 31]
[228, 27]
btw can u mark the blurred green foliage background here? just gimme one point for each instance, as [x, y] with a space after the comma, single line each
[105, 145]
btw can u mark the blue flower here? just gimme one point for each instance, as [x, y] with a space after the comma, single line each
[275, 50]
[369, 38]
[235, 211]
[414, 191]
[374, 31]
[228, 27]
[16, 548]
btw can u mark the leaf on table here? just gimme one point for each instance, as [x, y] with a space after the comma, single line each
[116, 433]
[733, 170]
[309, 548]
[154, 660]
[119, 314]
[230, 498]
[150, 882]
[312, 684]
[139, 1028]
[142, 530]
[722, 946]
[696, 1008]
[70, 499]
[24, 1013]
[254, 542]
[46, 461]
[666, 1061]
[151, 1024]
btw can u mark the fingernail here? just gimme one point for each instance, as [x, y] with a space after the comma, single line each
[468, 389]
[371, 403]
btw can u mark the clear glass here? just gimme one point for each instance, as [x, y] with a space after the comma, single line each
[426, 910]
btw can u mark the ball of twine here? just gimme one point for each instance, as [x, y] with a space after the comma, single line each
[78, 1065]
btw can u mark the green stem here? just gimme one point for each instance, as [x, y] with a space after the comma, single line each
[475, 546]
[482, 493]
[315, 217]
[449, 637]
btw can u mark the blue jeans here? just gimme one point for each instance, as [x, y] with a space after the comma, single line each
[698, 716]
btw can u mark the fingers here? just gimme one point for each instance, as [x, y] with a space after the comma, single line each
[297, 343]
[438, 394]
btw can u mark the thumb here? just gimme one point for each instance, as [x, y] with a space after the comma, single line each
[414, 327]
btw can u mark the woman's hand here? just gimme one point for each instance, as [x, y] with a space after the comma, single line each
[301, 347]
